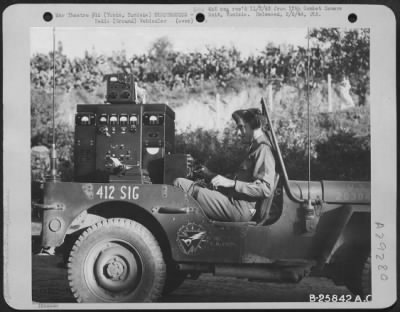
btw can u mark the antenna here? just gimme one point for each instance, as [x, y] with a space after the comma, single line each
[308, 110]
[53, 157]
[310, 209]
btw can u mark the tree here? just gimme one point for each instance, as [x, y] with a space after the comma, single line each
[159, 54]
[345, 53]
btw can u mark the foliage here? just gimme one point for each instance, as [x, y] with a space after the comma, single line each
[219, 155]
[343, 53]
[178, 77]
[343, 156]
[338, 52]
[335, 155]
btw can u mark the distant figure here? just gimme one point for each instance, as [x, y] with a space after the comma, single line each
[40, 162]
[141, 94]
[344, 93]
[40, 165]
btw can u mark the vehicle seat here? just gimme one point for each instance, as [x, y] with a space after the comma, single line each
[263, 207]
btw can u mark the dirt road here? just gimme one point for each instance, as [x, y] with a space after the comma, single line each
[50, 284]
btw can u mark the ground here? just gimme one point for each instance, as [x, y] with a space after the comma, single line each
[50, 284]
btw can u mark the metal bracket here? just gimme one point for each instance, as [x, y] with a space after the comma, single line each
[54, 206]
[312, 213]
[164, 191]
[174, 210]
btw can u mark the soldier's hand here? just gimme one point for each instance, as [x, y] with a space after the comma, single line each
[204, 172]
[220, 181]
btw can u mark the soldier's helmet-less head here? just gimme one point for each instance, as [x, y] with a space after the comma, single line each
[247, 122]
[251, 116]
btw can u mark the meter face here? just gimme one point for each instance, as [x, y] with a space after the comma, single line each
[85, 119]
[153, 120]
[103, 120]
[133, 120]
[150, 119]
[123, 120]
[113, 120]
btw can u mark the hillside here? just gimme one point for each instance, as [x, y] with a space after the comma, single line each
[204, 89]
[213, 107]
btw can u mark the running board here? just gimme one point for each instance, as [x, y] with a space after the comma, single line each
[283, 273]
[264, 273]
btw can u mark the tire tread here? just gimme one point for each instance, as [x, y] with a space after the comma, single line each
[131, 225]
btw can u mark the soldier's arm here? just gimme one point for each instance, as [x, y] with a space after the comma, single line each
[263, 174]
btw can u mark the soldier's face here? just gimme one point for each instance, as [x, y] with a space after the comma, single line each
[244, 131]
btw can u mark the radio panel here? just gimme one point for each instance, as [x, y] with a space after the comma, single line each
[122, 142]
[121, 89]
[85, 144]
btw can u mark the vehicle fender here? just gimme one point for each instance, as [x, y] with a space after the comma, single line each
[346, 192]
[83, 220]
[333, 192]
[339, 224]
[67, 200]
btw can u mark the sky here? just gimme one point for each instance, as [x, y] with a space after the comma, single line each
[137, 40]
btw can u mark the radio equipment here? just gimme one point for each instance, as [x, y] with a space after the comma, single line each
[121, 89]
[124, 142]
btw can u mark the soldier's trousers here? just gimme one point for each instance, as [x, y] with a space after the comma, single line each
[216, 205]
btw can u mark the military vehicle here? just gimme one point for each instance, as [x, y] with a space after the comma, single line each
[136, 237]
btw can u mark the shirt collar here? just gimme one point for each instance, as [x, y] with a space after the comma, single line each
[259, 137]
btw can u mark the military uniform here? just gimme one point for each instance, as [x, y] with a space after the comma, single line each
[253, 182]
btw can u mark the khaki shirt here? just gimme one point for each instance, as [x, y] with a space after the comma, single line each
[255, 176]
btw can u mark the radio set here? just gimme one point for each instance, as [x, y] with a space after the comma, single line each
[125, 141]
[121, 89]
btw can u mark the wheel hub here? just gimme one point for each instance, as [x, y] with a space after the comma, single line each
[115, 269]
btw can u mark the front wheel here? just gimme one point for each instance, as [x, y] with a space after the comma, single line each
[116, 260]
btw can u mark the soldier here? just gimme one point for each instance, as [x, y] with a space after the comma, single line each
[235, 199]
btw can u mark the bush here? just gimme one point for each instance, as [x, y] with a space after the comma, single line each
[179, 77]
[219, 155]
[343, 156]
[340, 156]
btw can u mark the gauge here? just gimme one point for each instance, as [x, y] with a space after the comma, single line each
[152, 150]
[113, 120]
[123, 120]
[153, 119]
[85, 119]
[133, 120]
[103, 120]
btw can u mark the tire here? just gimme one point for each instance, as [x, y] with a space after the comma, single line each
[359, 282]
[174, 279]
[116, 260]
[352, 268]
